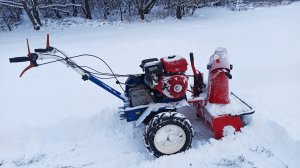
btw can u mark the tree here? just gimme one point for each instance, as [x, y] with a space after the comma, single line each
[35, 12]
[120, 4]
[105, 9]
[75, 11]
[10, 15]
[144, 7]
[33, 20]
[183, 7]
[88, 14]
[56, 12]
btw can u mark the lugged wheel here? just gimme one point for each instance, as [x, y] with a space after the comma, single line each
[168, 133]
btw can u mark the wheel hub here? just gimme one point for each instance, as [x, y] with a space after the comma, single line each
[169, 139]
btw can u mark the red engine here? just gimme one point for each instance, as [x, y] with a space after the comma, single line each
[167, 75]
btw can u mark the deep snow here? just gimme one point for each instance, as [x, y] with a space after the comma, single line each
[51, 118]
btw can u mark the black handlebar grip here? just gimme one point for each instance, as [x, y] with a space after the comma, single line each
[192, 57]
[18, 59]
[43, 50]
[40, 50]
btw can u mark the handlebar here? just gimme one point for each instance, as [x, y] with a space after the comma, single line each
[18, 59]
[32, 57]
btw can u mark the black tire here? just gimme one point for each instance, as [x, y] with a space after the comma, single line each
[168, 121]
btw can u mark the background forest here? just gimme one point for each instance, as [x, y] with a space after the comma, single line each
[41, 12]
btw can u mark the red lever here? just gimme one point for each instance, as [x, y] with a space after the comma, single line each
[31, 65]
[193, 65]
[28, 48]
[48, 42]
[26, 69]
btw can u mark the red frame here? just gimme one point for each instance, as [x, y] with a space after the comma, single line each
[216, 123]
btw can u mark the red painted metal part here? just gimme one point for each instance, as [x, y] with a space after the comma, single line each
[174, 64]
[48, 42]
[218, 87]
[173, 83]
[218, 81]
[217, 93]
[218, 124]
[173, 87]
[29, 56]
[26, 69]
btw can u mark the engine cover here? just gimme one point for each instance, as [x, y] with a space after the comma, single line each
[174, 64]
[173, 87]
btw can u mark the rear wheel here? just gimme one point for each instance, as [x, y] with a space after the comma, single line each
[168, 133]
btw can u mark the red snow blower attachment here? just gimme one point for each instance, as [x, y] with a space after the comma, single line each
[221, 109]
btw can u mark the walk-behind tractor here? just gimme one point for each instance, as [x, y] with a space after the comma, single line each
[154, 96]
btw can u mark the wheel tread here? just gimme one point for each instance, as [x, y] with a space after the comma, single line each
[161, 120]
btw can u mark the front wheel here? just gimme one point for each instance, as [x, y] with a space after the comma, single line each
[168, 133]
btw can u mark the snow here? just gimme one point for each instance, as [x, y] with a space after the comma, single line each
[156, 106]
[223, 59]
[51, 118]
[235, 107]
[151, 63]
[228, 130]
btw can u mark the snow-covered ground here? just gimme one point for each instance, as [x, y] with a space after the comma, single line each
[51, 118]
